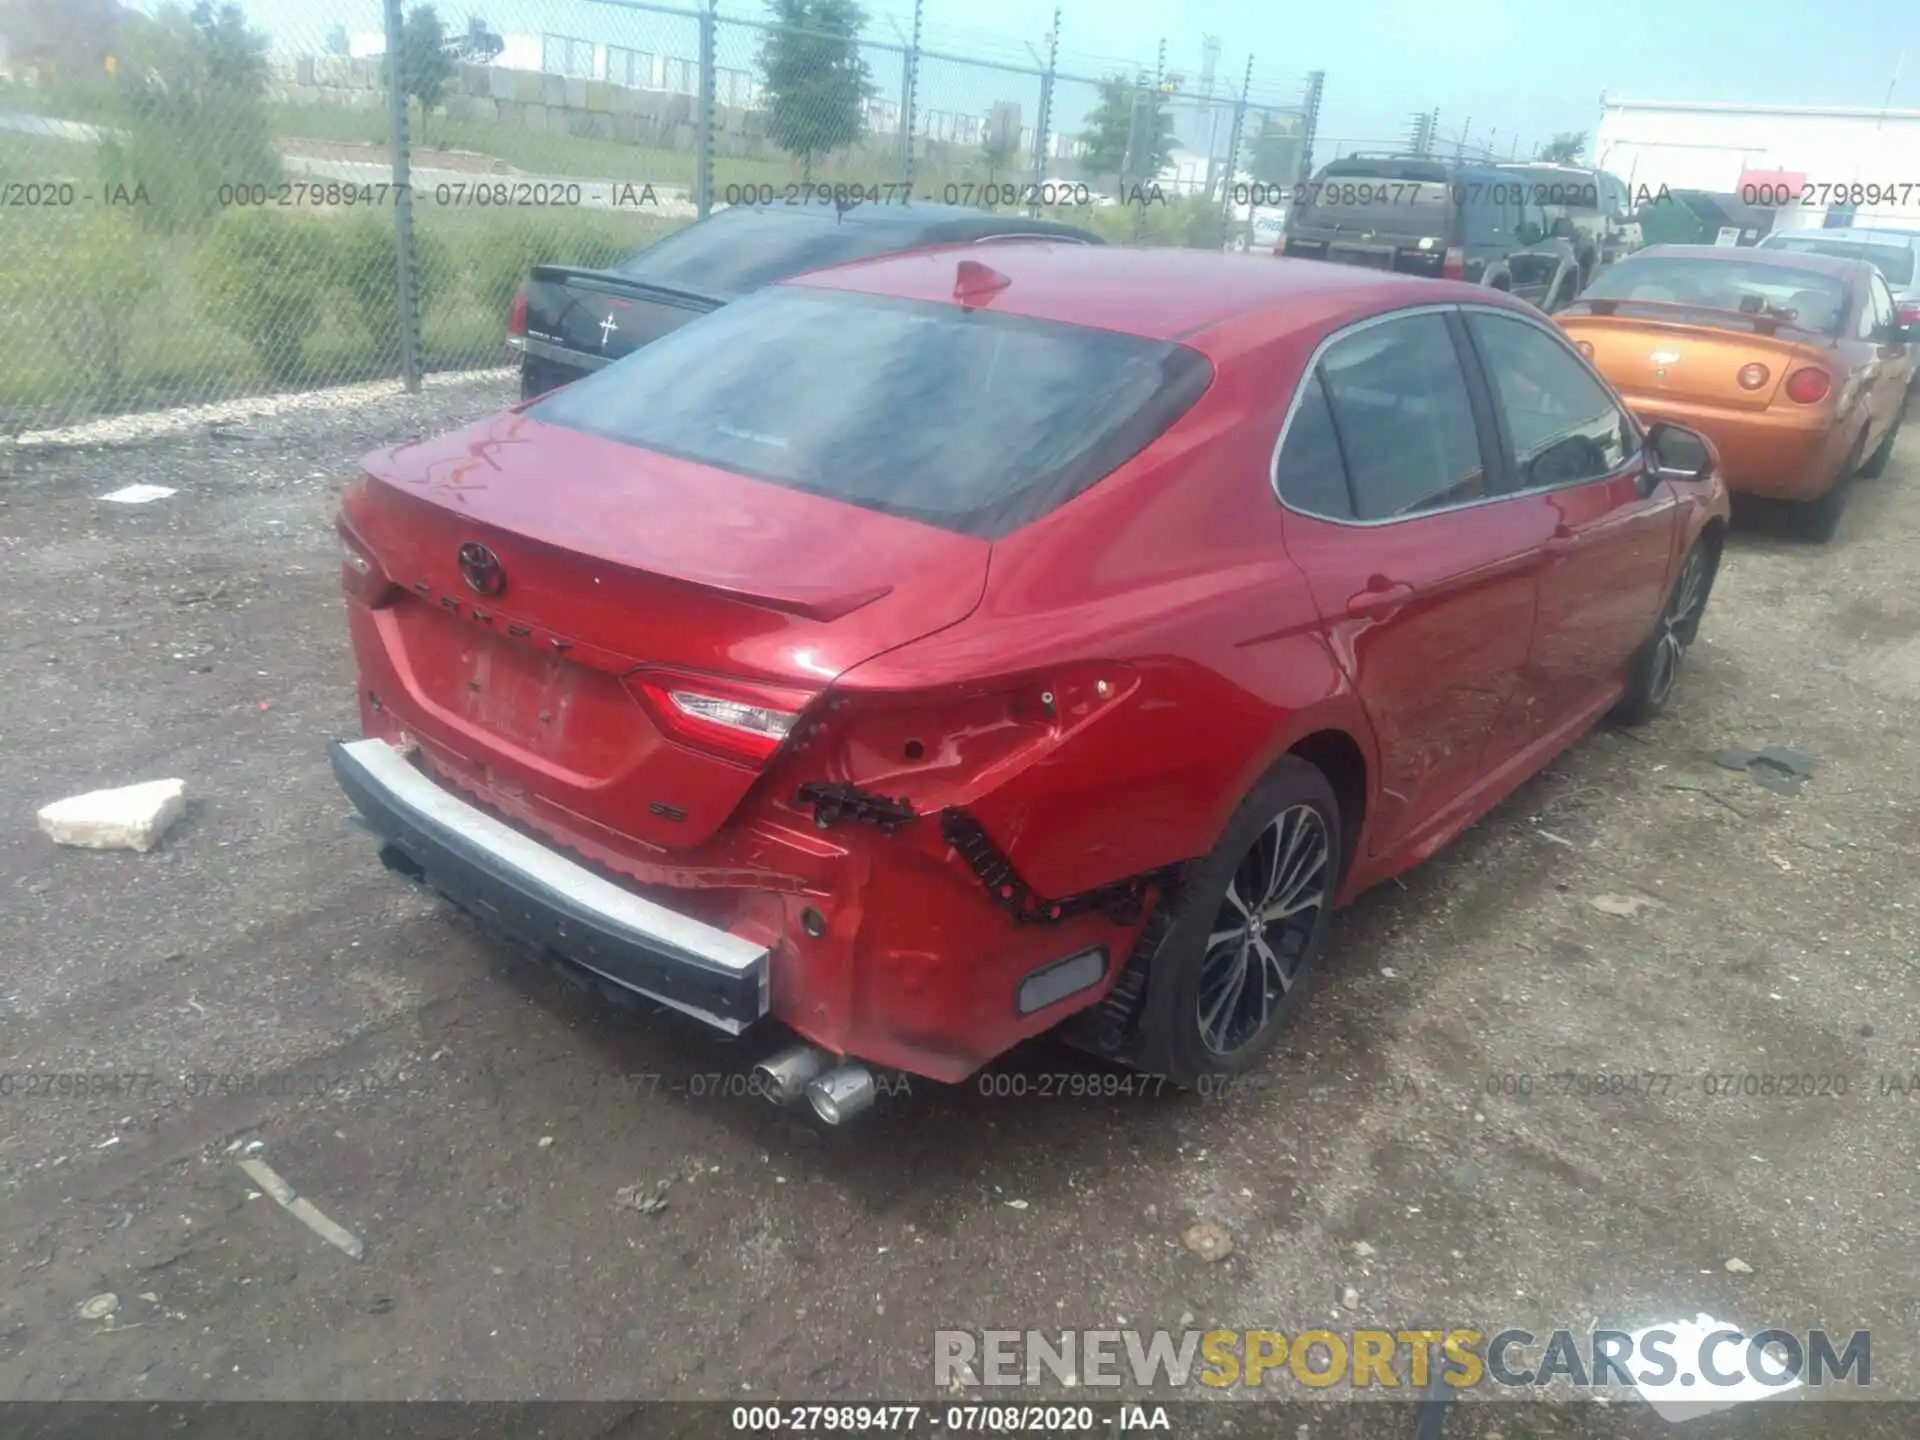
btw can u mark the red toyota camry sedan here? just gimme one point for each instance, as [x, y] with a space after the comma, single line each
[927, 651]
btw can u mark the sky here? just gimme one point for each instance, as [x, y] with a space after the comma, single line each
[1517, 67]
[1506, 69]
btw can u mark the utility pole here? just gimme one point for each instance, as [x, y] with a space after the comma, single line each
[912, 98]
[1041, 150]
[411, 361]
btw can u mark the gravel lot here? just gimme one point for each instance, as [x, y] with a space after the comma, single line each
[479, 1116]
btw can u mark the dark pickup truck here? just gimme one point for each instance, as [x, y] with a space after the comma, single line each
[569, 320]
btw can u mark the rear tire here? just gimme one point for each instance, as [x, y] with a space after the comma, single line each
[1655, 668]
[1233, 948]
[1817, 519]
[1877, 462]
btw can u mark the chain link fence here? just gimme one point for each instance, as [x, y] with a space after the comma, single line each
[199, 204]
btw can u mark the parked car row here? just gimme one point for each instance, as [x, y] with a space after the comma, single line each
[936, 649]
[1538, 231]
[1793, 356]
[1793, 353]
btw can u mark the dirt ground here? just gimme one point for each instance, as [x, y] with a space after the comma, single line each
[472, 1118]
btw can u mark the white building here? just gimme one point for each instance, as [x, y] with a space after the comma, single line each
[1832, 164]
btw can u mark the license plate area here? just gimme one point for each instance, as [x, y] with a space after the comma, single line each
[533, 702]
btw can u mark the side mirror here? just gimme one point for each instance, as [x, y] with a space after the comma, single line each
[1674, 452]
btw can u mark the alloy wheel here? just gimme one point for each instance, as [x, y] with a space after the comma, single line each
[1262, 929]
[1678, 625]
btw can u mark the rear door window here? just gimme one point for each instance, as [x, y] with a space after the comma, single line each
[1311, 473]
[1398, 400]
[1561, 427]
[970, 420]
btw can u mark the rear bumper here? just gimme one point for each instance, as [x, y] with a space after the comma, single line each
[1762, 452]
[545, 366]
[537, 896]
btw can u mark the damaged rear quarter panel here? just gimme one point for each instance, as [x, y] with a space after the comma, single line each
[1174, 569]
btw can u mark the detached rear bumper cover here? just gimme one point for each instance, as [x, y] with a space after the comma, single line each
[541, 898]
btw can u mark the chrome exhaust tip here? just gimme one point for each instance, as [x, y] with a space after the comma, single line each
[842, 1093]
[783, 1078]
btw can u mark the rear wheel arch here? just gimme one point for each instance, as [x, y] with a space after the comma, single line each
[1339, 756]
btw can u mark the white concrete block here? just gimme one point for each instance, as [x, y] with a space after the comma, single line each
[132, 817]
[139, 494]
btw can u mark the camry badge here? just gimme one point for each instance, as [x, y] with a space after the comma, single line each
[481, 569]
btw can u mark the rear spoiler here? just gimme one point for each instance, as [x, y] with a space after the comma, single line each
[626, 284]
[1677, 311]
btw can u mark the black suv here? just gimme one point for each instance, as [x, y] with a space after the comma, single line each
[1457, 220]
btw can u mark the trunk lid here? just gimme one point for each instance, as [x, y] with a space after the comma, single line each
[601, 315]
[1644, 352]
[616, 560]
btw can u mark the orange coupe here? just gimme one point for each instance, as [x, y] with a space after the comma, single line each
[1795, 365]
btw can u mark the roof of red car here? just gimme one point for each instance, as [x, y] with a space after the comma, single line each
[1161, 294]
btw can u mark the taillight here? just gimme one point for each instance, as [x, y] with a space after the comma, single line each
[1752, 377]
[360, 575]
[1584, 347]
[1910, 314]
[1808, 385]
[1455, 265]
[517, 319]
[943, 746]
[739, 720]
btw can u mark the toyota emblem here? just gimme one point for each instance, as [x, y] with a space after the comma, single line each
[481, 569]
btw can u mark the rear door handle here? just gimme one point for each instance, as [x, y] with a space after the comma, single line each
[1562, 541]
[1380, 599]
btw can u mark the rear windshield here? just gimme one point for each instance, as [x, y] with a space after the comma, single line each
[1397, 197]
[1804, 298]
[969, 420]
[742, 250]
[1894, 262]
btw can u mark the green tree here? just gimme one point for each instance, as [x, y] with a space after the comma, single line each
[425, 65]
[1129, 132]
[1277, 149]
[814, 82]
[190, 97]
[1564, 148]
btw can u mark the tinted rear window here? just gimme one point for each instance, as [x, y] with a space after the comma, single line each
[1808, 299]
[1400, 197]
[742, 250]
[973, 421]
[1894, 262]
